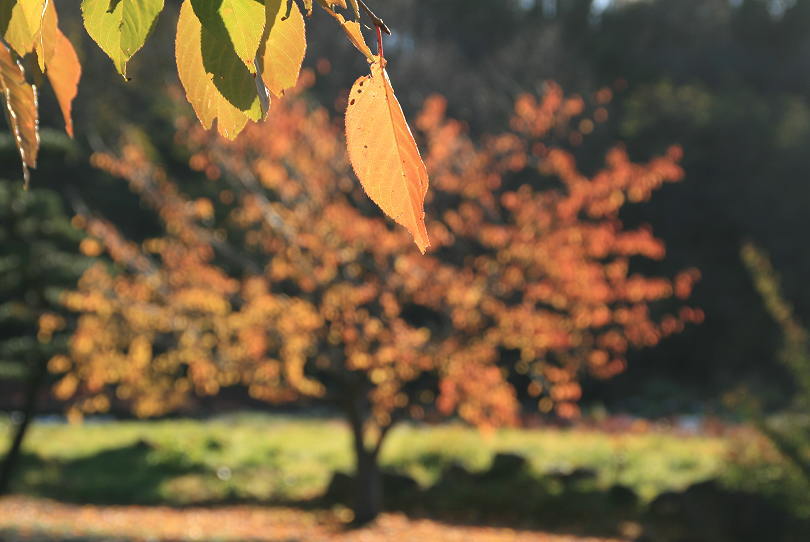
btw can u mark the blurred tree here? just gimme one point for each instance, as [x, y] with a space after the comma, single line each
[789, 430]
[727, 80]
[38, 259]
[285, 280]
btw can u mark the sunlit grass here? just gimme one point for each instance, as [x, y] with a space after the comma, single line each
[649, 463]
[288, 458]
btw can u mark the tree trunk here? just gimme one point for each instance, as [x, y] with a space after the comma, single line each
[368, 497]
[368, 486]
[28, 410]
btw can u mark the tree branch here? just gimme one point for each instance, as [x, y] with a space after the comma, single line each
[374, 19]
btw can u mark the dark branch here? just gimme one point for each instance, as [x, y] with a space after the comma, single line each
[374, 19]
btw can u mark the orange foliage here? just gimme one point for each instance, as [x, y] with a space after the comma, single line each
[292, 286]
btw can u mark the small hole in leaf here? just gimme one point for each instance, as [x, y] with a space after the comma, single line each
[351, 102]
[360, 84]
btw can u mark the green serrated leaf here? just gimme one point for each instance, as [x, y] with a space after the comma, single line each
[120, 27]
[240, 22]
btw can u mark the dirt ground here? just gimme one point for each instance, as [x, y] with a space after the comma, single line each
[24, 519]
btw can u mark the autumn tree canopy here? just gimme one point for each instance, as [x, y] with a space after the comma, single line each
[287, 282]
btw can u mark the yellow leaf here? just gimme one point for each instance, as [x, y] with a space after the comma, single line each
[285, 46]
[238, 22]
[384, 154]
[352, 29]
[20, 21]
[59, 61]
[217, 83]
[21, 109]
[308, 7]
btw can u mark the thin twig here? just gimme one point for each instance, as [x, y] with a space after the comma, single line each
[374, 19]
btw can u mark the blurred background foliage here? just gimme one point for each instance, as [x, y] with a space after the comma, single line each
[728, 80]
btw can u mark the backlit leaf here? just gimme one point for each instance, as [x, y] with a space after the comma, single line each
[351, 28]
[355, 34]
[20, 21]
[308, 7]
[283, 51]
[217, 83]
[120, 27]
[330, 4]
[59, 61]
[21, 109]
[239, 21]
[384, 154]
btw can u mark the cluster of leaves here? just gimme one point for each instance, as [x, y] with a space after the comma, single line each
[286, 282]
[30, 28]
[232, 57]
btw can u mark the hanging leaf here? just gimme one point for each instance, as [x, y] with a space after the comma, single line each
[20, 21]
[351, 28]
[308, 7]
[217, 83]
[355, 34]
[241, 22]
[21, 109]
[59, 61]
[120, 27]
[384, 154]
[283, 51]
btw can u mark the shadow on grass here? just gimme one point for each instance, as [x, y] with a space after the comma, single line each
[133, 474]
[508, 494]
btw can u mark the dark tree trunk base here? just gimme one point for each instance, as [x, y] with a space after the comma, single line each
[29, 409]
[368, 496]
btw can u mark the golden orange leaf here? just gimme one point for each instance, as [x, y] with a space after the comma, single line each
[283, 51]
[21, 109]
[352, 30]
[58, 59]
[384, 154]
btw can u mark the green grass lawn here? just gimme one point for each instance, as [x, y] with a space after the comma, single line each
[287, 458]
[284, 459]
